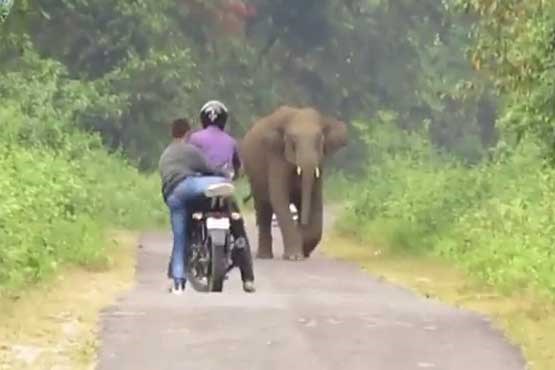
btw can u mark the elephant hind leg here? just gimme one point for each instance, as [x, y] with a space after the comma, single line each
[264, 213]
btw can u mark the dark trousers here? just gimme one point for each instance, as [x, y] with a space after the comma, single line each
[241, 255]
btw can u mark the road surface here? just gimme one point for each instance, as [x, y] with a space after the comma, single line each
[318, 314]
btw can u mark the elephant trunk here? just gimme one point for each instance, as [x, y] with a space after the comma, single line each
[308, 175]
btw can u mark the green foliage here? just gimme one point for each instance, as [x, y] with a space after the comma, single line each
[495, 219]
[514, 44]
[60, 190]
[5, 7]
[125, 69]
[150, 61]
[125, 54]
[508, 240]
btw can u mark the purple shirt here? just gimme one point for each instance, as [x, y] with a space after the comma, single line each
[218, 147]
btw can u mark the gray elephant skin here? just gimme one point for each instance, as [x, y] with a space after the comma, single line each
[283, 156]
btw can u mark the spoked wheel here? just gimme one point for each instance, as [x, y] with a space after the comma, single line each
[207, 266]
[198, 266]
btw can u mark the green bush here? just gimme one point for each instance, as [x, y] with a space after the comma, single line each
[495, 219]
[55, 207]
[60, 191]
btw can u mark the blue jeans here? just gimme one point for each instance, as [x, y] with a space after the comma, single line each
[189, 189]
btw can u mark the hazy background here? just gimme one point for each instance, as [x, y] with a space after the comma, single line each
[150, 61]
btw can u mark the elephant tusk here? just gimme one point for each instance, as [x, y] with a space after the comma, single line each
[299, 170]
[317, 172]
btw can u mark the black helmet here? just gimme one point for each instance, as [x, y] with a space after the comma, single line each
[213, 112]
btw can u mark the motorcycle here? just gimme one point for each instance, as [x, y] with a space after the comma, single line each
[211, 241]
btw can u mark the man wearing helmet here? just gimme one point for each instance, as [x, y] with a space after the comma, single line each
[218, 146]
[220, 149]
[185, 175]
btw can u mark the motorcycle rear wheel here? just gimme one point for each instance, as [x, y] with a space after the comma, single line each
[196, 271]
[218, 264]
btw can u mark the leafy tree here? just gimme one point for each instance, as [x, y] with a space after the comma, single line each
[150, 61]
[514, 46]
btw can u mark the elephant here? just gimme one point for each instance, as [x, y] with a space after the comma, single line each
[282, 155]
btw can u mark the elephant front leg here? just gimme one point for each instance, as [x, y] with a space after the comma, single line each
[264, 220]
[292, 239]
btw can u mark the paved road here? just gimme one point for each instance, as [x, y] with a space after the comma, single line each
[318, 314]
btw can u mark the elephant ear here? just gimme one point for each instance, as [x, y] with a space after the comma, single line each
[336, 137]
[273, 138]
[275, 130]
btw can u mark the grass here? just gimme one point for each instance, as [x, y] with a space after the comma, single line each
[55, 323]
[527, 320]
[493, 219]
[478, 236]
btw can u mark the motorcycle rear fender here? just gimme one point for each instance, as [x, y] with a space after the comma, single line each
[218, 237]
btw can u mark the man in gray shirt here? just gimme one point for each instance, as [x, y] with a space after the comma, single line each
[185, 175]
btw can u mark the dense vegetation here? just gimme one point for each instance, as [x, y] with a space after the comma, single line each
[496, 217]
[152, 60]
[60, 191]
[450, 105]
